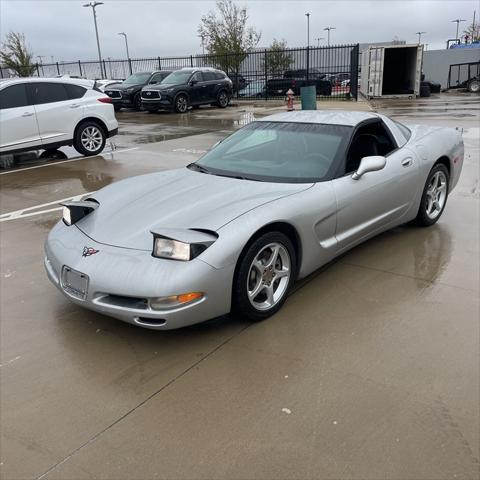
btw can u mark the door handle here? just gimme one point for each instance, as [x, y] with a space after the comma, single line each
[407, 162]
[76, 105]
[27, 114]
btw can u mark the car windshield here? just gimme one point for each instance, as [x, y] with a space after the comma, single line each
[177, 78]
[137, 78]
[278, 152]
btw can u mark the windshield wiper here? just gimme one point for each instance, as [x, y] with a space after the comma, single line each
[199, 168]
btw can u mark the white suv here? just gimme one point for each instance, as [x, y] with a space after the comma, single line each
[46, 113]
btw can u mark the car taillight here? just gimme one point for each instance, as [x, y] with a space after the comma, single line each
[105, 99]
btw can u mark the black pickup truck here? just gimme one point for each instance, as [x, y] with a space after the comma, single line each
[296, 79]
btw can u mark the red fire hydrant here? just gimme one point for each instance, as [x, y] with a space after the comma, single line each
[289, 99]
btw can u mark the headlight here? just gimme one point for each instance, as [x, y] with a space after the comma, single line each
[168, 90]
[67, 217]
[179, 244]
[129, 90]
[166, 248]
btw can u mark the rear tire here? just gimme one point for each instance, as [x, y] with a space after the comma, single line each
[264, 276]
[434, 197]
[222, 99]
[90, 139]
[181, 103]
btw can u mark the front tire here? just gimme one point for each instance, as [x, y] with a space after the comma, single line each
[137, 102]
[181, 103]
[90, 139]
[264, 276]
[434, 198]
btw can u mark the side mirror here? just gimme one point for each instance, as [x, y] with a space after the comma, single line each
[369, 164]
[153, 82]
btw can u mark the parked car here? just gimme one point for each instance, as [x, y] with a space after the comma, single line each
[47, 113]
[255, 88]
[188, 87]
[268, 205]
[102, 85]
[302, 73]
[127, 93]
[239, 82]
[280, 86]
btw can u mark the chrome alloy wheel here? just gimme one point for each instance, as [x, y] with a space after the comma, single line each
[182, 104]
[223, 99]
[91, 138]
[436, 195]
[268, 276]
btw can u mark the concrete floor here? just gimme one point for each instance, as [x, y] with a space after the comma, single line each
[370, 371]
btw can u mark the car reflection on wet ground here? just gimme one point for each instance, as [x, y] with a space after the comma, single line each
[369, 371]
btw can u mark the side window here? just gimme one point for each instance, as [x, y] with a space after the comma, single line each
[48, 93]
[369, 140]
[405, 130]
[197, 76]
[74, 91]
[157, 78]
[207, 76]
[219, 76]
[13, 97]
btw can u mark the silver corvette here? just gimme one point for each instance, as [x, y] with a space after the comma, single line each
[268, 205]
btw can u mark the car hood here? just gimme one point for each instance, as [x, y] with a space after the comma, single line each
[160, 86]
[123, 87]
[180, 199]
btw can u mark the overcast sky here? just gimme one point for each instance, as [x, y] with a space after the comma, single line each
[64, 30]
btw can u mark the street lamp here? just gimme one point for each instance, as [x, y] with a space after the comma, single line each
[126, 43]
[457, 21]
[420, 36]
[308, 29]
[93, 5]
[318, 40]
[328, 30]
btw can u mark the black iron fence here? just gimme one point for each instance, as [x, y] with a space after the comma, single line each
[256, 74]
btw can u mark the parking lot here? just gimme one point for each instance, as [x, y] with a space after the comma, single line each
[370, 371]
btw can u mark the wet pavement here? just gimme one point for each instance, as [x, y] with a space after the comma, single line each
[371, 369]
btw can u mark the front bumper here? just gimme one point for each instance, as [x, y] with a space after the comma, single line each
[165, 102]
[121, 280]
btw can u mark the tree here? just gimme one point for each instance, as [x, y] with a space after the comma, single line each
[16, 56]
[473, 32]
[278, 59]
[227, 37]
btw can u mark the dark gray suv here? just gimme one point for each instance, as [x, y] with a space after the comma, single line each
[188, 87]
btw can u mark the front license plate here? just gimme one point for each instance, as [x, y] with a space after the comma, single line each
[75, 283]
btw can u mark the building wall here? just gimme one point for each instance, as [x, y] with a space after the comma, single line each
[436, 63]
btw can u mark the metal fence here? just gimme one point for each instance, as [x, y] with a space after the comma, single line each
[256, 74]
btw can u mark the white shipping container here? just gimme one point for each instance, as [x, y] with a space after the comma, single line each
[391, 71]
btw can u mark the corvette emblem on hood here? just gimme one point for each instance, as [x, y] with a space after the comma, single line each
[87, 251]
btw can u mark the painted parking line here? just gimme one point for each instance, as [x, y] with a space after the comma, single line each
[39, 209]
[66, 161]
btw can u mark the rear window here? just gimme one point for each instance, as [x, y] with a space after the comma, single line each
[13, 97]
[74, 91]
[48, 92]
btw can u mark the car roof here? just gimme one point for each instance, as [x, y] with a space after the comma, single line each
[332, 117]
[75, 81]
[200, 69]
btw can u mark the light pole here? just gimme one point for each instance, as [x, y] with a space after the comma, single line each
[328, 30]
[308, 29]
[40, 58]
[457, 21]
[202, 38]
[318, 40]
[420, 36]
[126, 43]
[93, 5]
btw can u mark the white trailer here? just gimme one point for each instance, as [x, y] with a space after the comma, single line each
[391, 71]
